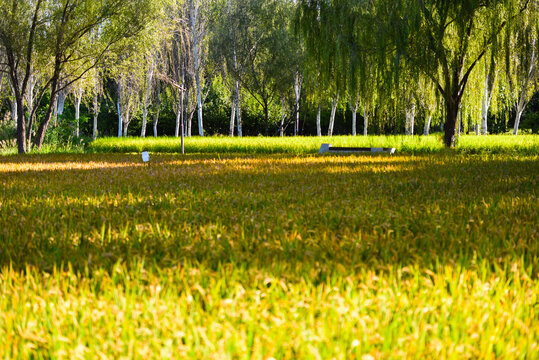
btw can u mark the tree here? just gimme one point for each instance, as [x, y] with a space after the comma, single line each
[65, 32]
[262, 59]
[522, 58]
[443, 40]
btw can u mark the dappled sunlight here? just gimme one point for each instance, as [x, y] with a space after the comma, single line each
[8, 167]
[393, 248]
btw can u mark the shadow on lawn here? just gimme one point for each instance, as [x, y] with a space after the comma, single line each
[284, 214]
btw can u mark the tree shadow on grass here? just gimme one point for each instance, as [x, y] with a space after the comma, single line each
[281, 214]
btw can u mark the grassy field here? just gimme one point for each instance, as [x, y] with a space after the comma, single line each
[469, 144]
[269, 256]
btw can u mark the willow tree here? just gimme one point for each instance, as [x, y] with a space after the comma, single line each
[444, 40]
[522, 59]
[327, 28]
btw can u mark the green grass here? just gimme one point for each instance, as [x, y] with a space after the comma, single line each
[470, 144]
[269, 256]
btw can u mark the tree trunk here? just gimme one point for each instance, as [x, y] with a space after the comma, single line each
[189, 118]
[155, 120]
[490, 79]
[297, 91]
[96, 113]
[334, 103]
[353, 108]
[266, 117]
[127, 120]
[232, 117]
[459, 119]
[78, 99]
[365, 120]
[157, 109]
[42, 129]
[522, 99]
[452, 109]
[281, 127]
[194, 17]
[30, 105]
[60, 101]
[120, 122]
[238, 109]
[55, 111]
[410, 119]
[318, 124]
[179, 110]
[145, 106]
[14, 112]
[426, 129]
[517, 119]
[21, 126]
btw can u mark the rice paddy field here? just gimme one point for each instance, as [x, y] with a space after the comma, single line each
[261, 255]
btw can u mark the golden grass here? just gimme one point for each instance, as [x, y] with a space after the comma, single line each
[264, 257]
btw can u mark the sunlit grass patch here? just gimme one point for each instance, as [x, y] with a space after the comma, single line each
[282, 255]
[471, 144]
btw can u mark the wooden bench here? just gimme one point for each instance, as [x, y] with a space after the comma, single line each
[327, 148]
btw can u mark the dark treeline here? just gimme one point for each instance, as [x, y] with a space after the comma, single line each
[72, 69]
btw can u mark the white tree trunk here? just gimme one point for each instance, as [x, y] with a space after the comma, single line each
[410, 119]
[146, 105]
[30, 105]
[155, 121]
[353, 108]
[194, 17]
[96, 112]
[55, 111]
[119, 109]
[14, 110]
[523, 96]
[354, 119]
[281, 127]
[157, 109]
[484, 109]
[232, 117]
[78, 99]
[238, 109]
[426, 129]
[365, 120]
[297, 91]
[334, 103]
[120, 122]
[179, 110]
[318, 124]
[187, 119]
[520, 110]
[127, 120]
[61, 102]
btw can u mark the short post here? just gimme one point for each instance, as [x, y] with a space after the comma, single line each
[146, 157]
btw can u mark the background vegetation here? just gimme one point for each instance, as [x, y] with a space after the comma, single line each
[256, 67]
